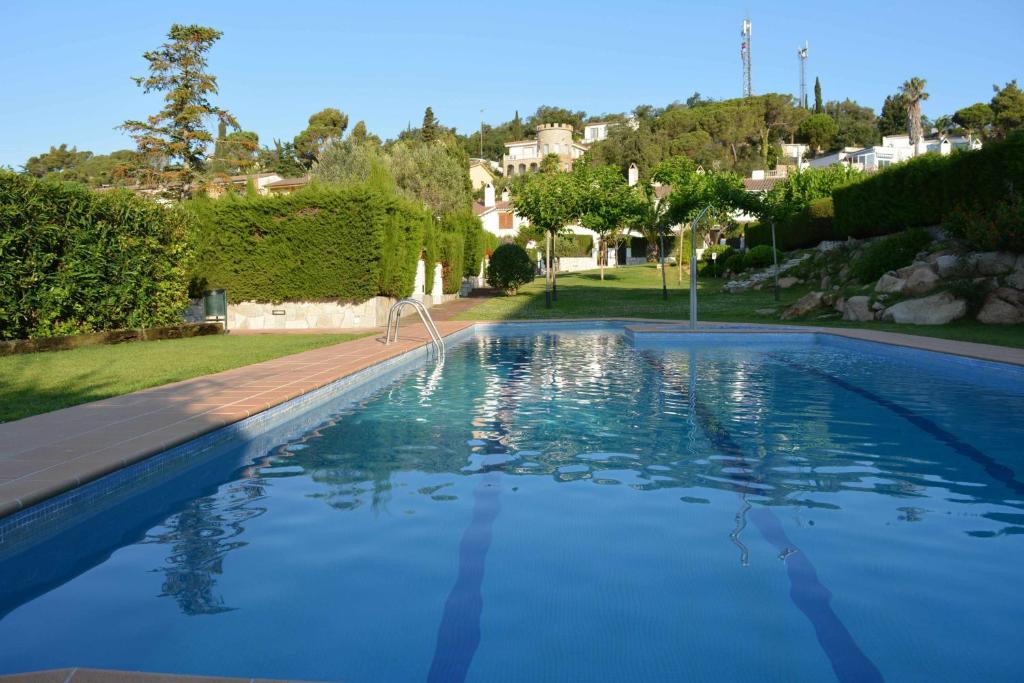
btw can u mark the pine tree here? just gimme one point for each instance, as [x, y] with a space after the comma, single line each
[517, 127]
[429, 128]
[818, 106]
[178, 131]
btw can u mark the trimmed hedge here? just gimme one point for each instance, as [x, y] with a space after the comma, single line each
[325, 242]
[928, 189]
[73, 260]
[78, 341]
[810, 227]
[510, 268]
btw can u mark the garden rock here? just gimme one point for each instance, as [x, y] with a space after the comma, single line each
[1016, 278]
[806, 304]
[921, 281]
[766, 311]
[905, 271]
[937, 309]
[1003, 306]
[890, 284]
[992, 262]
[947, 265]
[826, 282]
[857, 309]
[787, 282]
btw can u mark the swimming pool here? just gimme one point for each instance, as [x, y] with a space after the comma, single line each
[569, 503]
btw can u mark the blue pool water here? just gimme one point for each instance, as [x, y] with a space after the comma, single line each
[571, 506]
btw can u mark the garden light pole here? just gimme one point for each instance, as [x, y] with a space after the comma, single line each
[547, 269]
[661, 256]
[693, 267]
[775, 259]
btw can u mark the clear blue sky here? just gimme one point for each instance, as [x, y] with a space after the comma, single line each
[66, 64]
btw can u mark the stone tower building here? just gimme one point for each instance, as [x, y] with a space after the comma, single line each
[523, 156]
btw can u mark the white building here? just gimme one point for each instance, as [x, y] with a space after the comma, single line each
[893, 150]
[523, 156]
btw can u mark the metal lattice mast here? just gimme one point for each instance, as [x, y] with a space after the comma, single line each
[802, 54]
[748, 88]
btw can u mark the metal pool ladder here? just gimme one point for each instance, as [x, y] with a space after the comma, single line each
[428, 322]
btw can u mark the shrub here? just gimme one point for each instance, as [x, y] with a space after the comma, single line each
[761, 257]
[710, 266]
[510, 268]
[75, 260]
[735, 263]
[927, 190]
[888, 254]
[451, 254]
[324, 242]
[999, 226]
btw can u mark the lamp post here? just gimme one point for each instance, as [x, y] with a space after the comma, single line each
[775, 260]
[661, 256]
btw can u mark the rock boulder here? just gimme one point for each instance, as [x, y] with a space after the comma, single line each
[921, 281]
[937, 309]
[992, 262]
[858, 309]
[806, 304]
[1003, 306]
[890, 284]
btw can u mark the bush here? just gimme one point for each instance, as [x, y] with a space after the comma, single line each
[510, 268]
[761, 257]
[929, 189]
[324, 242]
[451, 254]
[997, 227]
[888, 254]
[735, 263]
[710, 266]
[76, 260]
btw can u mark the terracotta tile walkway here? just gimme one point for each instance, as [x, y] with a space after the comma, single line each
[47, 454]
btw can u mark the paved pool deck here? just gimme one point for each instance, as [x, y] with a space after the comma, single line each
[44, 455]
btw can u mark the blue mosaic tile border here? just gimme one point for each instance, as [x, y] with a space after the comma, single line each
[71, 507]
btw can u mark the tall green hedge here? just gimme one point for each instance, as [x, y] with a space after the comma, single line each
[74, 260]
[325, 242]
[812, 225]
[927, 190]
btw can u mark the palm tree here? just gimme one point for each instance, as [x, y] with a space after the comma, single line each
[913, 93]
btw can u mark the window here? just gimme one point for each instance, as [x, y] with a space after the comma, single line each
[505, 220]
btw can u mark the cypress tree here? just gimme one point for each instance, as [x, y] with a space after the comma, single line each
[818, 108]
[429, 128]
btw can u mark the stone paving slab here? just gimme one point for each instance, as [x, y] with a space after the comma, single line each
[44, 455]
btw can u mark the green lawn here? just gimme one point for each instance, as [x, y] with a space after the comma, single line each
[635, 292]
[40, 382]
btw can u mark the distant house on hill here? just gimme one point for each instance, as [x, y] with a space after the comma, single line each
[263, 183]
[523, 156]
[893, 150]
[498, 217]
[480, 173]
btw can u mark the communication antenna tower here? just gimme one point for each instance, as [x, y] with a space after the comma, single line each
[802, 54]
[748, 88]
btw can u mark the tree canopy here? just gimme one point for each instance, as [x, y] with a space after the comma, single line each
[178, 133]
[326, 126]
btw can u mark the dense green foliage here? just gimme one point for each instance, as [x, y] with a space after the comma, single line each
[811, 226]
[75, 260]
[761, 256]
[926, 190]
[888, 254]
[510, 268]
[348, 243]
[996, 226]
